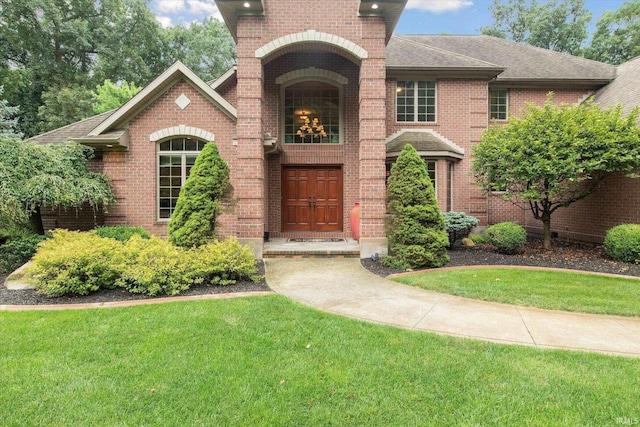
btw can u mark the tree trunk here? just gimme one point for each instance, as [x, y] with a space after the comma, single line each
[35, 218]
[546, 221]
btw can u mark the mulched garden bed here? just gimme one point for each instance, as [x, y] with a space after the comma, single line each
[30, 297]
[563, 255]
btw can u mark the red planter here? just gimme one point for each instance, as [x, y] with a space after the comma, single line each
[355, 221]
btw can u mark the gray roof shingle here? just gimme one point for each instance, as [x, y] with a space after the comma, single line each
[426, 142]
[74, 130]
[625, 89]
[521, 62]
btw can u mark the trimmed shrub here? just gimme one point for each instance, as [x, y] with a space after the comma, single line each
[154, 266]
[18, 250]
[476, 238]
[223, 263]
[201, 200]
[122, 233]
[622, 243]
[415, 229]
[72, 262]
[458, 225]
[507, 237]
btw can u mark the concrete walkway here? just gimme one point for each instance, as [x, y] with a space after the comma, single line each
[343, 286]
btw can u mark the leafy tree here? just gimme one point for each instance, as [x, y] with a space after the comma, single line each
[416, 229]
[109, 96]
[207, 48]
[201, 200]
[556, 155]
[62, 106]
[8, 122]
[559, 27]
[617, 35]
[33, 176]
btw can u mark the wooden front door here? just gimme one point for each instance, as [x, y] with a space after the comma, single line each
[311, 198]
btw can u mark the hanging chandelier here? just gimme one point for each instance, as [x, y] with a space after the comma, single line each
[311, 128]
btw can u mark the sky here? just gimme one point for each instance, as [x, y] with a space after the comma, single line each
[419, 17]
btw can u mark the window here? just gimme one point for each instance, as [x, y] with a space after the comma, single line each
[415, 101]
[176, 157]
[312, 113]
[498, 104]
[449, 186]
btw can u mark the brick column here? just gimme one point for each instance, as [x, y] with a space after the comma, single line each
[249, 187]
[372, 152]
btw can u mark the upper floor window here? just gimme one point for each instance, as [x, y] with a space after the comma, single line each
[311, 113]
[176, 157]
[498, 104]
[416, 101]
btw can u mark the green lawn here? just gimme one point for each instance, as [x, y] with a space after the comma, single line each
[268, 361]
[587, 293]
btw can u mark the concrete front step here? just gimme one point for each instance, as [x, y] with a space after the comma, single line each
[310, 254]
[284, 248]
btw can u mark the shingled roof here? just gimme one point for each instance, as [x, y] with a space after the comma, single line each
[625, 89]
[74, 130]
[426, 142]
[520, 62]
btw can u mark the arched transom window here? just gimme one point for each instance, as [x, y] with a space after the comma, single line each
[312, 113]
[176, 157]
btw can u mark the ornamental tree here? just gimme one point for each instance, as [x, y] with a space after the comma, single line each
[33, 176]
[556, 155]
[201, 200]
[415, 229]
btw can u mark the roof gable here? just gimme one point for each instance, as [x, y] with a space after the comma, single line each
[155, 89]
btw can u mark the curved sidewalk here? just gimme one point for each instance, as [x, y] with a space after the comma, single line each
[343, 286]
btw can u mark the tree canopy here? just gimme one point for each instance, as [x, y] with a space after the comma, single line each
[554, 155]
[48, 47]
[33, 176]
[617, 35]
[9, 127]
[110, 96]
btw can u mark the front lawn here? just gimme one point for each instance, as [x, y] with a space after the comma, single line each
[581, 292]
[269, 361]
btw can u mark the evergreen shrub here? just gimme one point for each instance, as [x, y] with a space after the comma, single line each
[458, 225]
[223, 263]
[122, 233]
[622, 243]
[18, 250]
[507, 237]
[415, 226]
[201, 200]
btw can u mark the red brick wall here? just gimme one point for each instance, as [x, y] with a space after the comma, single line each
[134, 172]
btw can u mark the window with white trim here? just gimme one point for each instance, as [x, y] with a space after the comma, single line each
[415, 101]
[176, 157]
[498, 104]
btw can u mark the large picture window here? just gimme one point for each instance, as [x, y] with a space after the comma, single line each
[416, 101]
[311, 113]
[176, 157]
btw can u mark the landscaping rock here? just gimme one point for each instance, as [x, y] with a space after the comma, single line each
[19, 279]
[468, 242]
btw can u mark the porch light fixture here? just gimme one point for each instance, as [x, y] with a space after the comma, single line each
[374, 6]
[246, 4]
[311, 128]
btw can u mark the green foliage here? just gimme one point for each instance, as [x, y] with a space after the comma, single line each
[110, 96]
[477, 238]
[80, 263]
[617, 35]
[223, 263]
[201, 200]
[415, 230]
[73, 262]
[556, 155]
[9, 127]
[64, 105]
[154, 266]
[18, 250]
[622, 243]
[33, 176]
[458, 225]
[559, 27]
[507, 237]
[122, 233]
[207, 48]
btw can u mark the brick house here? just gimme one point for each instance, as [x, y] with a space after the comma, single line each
[313, 114]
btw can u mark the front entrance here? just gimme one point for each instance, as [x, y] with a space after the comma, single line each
[311, 198]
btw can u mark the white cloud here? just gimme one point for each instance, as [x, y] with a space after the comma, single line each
[199, 6]
[169, 6]
[165, 21]
[439, 6]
